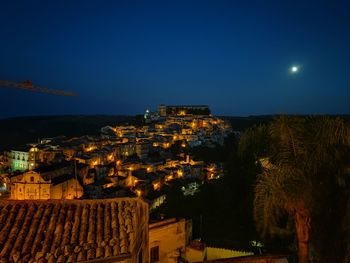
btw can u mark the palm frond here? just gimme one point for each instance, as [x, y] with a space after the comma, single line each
[269, 200]
[287, 132]
[254, 141]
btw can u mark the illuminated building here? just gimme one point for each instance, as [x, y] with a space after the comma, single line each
[29, 185]
[91, 160]
[19, 160]
[125, 131]
[182, 110]
[162, 110]
[23, 160]
[66, 187]
[142, 149]
[197, 251]
[168, 240]
[125, 149]
[29, 158]
[90, 148]
[32, 186]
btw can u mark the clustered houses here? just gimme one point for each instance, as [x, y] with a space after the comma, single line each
[122, 161]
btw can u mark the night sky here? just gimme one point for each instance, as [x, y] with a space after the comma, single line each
[125, 56]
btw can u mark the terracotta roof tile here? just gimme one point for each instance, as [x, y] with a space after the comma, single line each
[68, 231]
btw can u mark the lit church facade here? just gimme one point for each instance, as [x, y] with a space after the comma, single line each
[32, 186]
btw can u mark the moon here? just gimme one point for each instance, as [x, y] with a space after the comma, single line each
[294, 69]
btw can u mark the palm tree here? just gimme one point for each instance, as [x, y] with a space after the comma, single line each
[306, 149]
[254, 142]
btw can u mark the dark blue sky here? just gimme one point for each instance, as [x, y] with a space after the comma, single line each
[125, 56]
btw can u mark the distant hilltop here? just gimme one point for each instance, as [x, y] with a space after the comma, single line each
[164, 110]
[177, 111]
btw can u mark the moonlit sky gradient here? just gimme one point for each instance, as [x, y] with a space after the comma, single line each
[125, 56]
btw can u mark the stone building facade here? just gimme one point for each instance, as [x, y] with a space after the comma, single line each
[32, 186]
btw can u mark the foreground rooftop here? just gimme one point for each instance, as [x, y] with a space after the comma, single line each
[71, 231]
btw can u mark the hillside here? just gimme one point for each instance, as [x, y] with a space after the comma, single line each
[18, 131]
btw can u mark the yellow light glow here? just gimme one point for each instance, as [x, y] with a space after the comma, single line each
[166, 145]
[89, 149]
[156, 186]
[170, 177]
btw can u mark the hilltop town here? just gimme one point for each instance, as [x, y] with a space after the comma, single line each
[122, 161]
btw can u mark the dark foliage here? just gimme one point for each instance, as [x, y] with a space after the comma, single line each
[222, 211]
